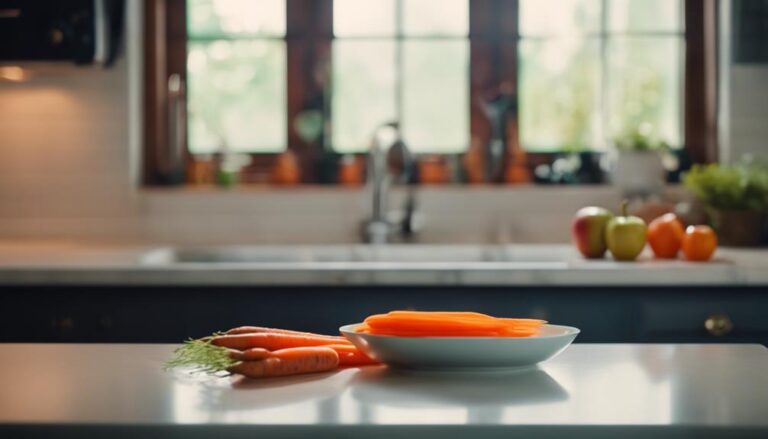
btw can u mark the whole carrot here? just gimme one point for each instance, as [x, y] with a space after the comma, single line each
[252, 354]
[260, 329]
[291, 361]
[271, 341]
[350, 356]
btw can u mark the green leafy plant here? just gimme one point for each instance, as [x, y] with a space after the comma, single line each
[640, 138]
[729, 187]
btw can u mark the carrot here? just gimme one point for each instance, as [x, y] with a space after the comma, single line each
[448, 324]
[524, 322]
[440, 333]
[272, 341]
[350, 356]
[252, 354]
[466, 314]
[290, 361]
[434, 323]
[259, 330]
[363, 327]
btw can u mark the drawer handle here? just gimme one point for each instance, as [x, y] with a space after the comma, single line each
[718, 325]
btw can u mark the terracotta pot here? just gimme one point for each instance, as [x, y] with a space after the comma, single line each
[739, 228]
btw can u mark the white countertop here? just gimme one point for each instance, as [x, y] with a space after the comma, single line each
[76, 264]
[588, 391]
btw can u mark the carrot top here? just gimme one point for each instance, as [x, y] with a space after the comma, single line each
[202, 356]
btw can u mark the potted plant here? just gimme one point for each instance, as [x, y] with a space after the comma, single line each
[638, 169]
[736, 199]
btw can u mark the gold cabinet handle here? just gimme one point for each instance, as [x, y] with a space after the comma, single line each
[718, 325]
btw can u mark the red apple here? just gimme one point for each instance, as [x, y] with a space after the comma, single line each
[588, 231]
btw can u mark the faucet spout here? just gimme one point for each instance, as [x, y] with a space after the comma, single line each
[389, 162]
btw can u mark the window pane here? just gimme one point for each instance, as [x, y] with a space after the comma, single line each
[436, 95]
[237, 96]
[363, 18]
[436, 17]
[559, 17]
[645, 15]
[645, 78]
[249, 17]
[363, 91]
[559, 94]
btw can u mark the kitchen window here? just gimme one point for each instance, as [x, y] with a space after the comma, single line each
[236, 75]
[593, 72]
[404, 60]
[316, 77]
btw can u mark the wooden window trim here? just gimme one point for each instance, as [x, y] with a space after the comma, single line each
[493, 37]
[701, 77]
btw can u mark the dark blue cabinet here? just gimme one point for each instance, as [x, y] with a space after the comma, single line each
[171, 314]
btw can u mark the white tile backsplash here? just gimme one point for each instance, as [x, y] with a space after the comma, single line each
[749, 110]
[743, 99]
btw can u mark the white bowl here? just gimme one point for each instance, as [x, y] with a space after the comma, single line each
[463, 353]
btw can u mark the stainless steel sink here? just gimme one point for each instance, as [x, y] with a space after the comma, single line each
[357, 254]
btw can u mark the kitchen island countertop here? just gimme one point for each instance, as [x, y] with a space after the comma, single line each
[628, 391]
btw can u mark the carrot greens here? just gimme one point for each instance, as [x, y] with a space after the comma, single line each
[202, 356]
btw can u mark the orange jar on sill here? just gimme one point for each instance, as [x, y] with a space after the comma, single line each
[350, 171]
[201, 169]
[433, 170]
[286, 170]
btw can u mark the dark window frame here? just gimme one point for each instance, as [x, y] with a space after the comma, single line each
[493, 39]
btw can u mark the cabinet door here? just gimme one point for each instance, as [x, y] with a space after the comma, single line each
[28, 317]
[734, 319]
[86, 315]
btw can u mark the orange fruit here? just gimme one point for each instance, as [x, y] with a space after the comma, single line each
[665, 236]
[699, 243]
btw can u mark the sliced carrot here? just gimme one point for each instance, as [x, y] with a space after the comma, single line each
[429, 320]
[440, 333]
[272, 341]
[524, 322]
[448, 324]
[363, 327]
[465, 314]
[435, 323]
[291, 361]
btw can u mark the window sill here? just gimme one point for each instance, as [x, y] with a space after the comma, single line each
[448, 187]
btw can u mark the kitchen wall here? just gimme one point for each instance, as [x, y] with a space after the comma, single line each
[69, 147]
[743, 99]
[747, 129]
[66, 159]
[64, 148]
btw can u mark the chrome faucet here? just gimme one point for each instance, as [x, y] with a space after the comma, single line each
[389, 162]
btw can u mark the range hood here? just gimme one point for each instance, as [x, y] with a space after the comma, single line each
[71, 31]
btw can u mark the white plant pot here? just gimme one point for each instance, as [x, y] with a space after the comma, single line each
[638, 173]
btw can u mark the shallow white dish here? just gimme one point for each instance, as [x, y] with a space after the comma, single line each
[463, 353]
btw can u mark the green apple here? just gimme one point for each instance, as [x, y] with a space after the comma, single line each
[625, 235]
[588, 231]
